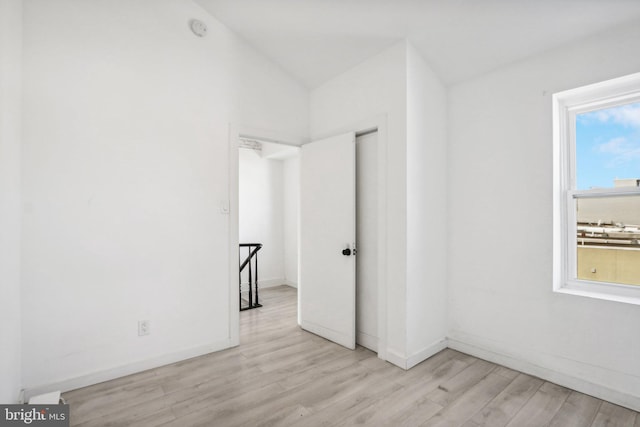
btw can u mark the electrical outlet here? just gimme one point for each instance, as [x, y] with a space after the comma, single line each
[144, 327]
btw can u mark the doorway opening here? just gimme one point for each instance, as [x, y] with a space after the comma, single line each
[267, 218]
[371, 230]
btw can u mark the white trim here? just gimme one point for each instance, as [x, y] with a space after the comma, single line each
[396, 358]
[515, 359]
[261, 134]
[566, 105]
[425, 353]
[408, 362]
[234, 239]
[243, 138]
[268, 283]
[604, 192]
[124, 370]
[597, 95]
[381, 123]
[367, 341]
[291, 284]
[602, 290]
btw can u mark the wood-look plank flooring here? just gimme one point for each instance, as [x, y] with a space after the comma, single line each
[283, 376]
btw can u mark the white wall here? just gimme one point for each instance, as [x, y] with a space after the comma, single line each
[399, 84]
[261, 213]
[426, 209]
[500, 227]
[10, 205]
[377, 87]
[291, 171]
[125, 167]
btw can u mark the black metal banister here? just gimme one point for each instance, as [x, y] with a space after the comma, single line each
[253, 278]
[251, 253]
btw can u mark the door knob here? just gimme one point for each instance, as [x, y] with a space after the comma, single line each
[346, 252]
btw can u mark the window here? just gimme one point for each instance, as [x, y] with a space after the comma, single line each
[597, 190]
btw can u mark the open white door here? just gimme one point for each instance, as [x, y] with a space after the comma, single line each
[327, 289]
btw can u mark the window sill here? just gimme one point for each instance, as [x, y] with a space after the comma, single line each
[627, 294]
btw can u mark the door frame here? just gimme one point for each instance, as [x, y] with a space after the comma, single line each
[235, 132]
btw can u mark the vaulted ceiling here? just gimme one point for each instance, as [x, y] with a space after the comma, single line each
[315, 40]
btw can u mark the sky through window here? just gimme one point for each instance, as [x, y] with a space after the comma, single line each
[607, 146]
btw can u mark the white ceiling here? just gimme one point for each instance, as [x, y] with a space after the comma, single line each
[315, 40]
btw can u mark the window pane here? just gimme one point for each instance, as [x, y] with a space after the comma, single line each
[608, 239]
[608, 147]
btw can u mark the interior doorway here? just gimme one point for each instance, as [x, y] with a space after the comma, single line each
[371, 263]
[267, 217]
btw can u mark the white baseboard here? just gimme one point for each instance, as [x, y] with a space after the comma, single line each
[124, 370]
[426, 353]
[409, 362]
[366, 340]
[266, 283]
[290, 283]
[475, 346]
[270, 283]
[541, 368]
[396, 358]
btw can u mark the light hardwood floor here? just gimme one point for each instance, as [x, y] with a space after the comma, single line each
[283, 376]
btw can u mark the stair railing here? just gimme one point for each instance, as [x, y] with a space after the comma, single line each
[252, 255]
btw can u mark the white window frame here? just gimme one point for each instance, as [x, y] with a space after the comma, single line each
[566, 106]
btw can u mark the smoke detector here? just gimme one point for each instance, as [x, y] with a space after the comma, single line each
[198, 27]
